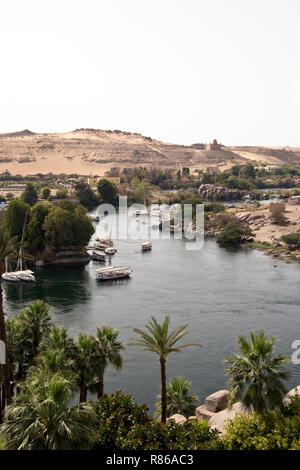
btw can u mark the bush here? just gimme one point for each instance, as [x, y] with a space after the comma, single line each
[292, 239]
[46, 193]
[274, 431]
[172, 436]
[30, 195]
[214, 207]
[277, 212]
[234, 235]
[117, 414]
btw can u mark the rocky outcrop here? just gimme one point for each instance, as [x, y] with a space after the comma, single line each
[214, 192]
[291, 394]
[220, 419]
[179, 419]
[214, 403]
[217, 401]
[203, 413]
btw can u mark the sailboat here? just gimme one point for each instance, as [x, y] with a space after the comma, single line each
[9, 276]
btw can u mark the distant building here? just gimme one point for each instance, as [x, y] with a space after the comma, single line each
[213, 146]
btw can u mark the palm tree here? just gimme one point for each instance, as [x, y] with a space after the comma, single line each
[41, 419]
[179, 398]
[86, 363]
[37, 322]
[8, 247]
[52, 362]
[17, 345]
[108, 352]
[257, 374]
[162, 342]
[58, 340]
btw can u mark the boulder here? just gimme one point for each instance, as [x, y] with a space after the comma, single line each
[192, 418]
[203, 413]
[220, 419]
[218, 401]
[292, 393]
[179, 419]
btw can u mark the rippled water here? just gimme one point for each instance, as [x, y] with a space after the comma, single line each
[219, 293]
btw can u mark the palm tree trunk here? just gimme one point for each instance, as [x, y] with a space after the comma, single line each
[101, 385]
[5, 367]
[83, 391]
[163, 390]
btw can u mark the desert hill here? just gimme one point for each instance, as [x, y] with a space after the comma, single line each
[91, 151]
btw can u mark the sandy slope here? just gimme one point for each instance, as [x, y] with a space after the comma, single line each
[89, 151]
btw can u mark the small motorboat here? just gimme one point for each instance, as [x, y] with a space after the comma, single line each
[96, 256]
[110, 250]
[25, 275]
[10, 277]
[146, 246]
[113, 272]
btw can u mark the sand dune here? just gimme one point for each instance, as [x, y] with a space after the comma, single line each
[90, 151]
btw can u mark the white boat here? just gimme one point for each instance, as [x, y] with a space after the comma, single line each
[146, 246]
[110, 250]
[25, 275]
[113, 272]
[10, 277]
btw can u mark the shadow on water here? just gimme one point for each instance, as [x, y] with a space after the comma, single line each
[63, 288]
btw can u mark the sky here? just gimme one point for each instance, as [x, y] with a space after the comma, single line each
[181, 71]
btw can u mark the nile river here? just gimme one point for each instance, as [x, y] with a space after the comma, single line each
[218, 293]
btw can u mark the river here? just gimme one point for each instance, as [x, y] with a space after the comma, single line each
[218, 293]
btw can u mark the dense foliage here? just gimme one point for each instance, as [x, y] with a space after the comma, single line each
[292, 239]
[233, 235]
[85, 195]
[30, 195]
[108, 192]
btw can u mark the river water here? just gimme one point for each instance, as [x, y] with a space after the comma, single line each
[218, 293]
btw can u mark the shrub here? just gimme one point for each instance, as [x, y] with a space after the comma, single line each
[274, 431]
[116, 415]
[292, 239]
[214, 207]
[46, 192]
[234, 235]
[277, 212]
[171, 436]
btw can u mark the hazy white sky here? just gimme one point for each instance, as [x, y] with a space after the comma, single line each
[182, 71]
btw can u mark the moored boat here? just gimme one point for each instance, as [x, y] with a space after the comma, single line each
[25, 275]
[113, 273]
[10, 277]
[146, 246]
[110, 250]
[96, 256]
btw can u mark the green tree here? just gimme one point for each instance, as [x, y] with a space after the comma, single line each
[7, 250]
[86, 357]
[61, 193]
[30, 195]
[179, 398]
[15, 216]
[108, 352]
[46, 192]
[233, 235]
[257, 374]
[58, 228]
[108, 191]
[36, 322]
[35, 233]
[85, 195]
[41, 419]
[142, 192]
[158, 339]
